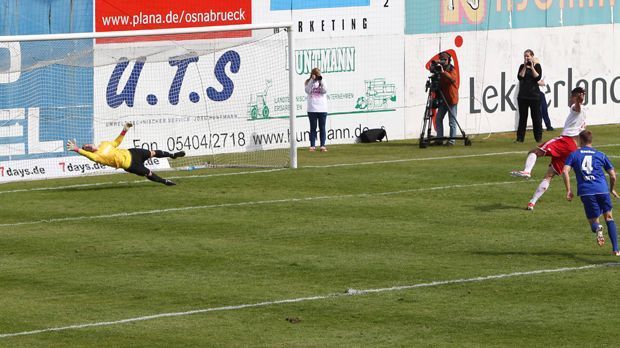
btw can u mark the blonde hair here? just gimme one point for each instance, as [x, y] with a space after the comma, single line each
[315, 72]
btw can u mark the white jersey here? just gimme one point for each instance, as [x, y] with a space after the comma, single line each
[317, 100]
[575, 122]
[543, 88]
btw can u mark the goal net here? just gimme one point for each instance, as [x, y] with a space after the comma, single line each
[220, 94]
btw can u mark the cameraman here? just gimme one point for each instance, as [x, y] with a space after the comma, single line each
[449, 96]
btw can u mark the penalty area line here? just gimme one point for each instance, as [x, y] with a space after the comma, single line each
[73, 186]
[348, 292]
[196, 176]
[249, 203]
[416, 159]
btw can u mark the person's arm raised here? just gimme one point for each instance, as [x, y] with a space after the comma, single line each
[119, 138]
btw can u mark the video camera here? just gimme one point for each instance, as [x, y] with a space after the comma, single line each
[432, 83]
[434, 100]
[435, 67]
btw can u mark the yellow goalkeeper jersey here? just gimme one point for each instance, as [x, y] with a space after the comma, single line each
[108, 154]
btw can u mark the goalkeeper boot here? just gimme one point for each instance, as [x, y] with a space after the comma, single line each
[169, 183]
[600, 239]
[178, 154]
[530, 206]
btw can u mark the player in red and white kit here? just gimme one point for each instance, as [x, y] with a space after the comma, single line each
[557, 148]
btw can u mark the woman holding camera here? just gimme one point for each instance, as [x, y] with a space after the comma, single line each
[317, 108]
[529, 74]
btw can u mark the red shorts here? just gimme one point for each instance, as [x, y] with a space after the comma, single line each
[558, 148]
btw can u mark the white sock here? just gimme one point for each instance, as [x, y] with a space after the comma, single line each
[544, 185]
[530, 162]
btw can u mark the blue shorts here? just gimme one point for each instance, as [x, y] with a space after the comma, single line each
[595, 205]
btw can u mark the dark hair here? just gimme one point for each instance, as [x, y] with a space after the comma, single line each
[585, 137]
[577, 90]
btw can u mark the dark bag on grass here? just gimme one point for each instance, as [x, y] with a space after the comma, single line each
[372, 135]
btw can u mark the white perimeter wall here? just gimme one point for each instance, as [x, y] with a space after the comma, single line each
[570, 56]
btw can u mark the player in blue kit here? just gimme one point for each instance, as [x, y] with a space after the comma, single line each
[590, 166]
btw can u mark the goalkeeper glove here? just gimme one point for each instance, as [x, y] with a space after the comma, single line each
[72, 145]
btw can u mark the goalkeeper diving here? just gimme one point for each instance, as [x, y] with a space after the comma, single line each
[131, 160]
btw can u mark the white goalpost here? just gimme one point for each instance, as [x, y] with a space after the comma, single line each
[224, 95]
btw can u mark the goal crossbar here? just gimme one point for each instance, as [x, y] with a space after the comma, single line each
[25, 135]
[145, 32]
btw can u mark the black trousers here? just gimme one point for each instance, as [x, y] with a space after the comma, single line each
[138, 156]
[534, 106]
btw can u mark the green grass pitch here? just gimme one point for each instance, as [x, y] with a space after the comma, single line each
[265, 257]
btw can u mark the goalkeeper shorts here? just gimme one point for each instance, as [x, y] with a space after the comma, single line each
[138, 156]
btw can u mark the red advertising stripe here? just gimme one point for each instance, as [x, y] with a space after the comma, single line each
[121, 15]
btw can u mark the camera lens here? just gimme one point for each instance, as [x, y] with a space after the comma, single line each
[319, 78]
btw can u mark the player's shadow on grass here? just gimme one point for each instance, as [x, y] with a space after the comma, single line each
[555, 254]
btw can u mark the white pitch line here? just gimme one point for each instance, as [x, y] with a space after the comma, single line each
[606, 145]
[247, 203]
[53, 188]
[417, 159]
[349, 292]
[434, 158]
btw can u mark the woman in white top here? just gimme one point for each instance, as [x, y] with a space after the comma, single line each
[317, 108]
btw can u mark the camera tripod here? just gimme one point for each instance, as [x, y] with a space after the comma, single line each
[432, 102]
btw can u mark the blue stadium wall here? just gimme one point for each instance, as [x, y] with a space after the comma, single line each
[47, 94]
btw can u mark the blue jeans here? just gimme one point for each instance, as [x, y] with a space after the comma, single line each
[544, 110]
[441, 113]
[320, 118]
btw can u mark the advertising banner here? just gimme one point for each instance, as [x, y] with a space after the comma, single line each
[332, 18]
[119, 15]
[362, 66]
[183, 97]
[359, 47]
[488, 74]
[364, 83]
[443, 16]
[43, 104]
[63, 167]
[221, 94]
